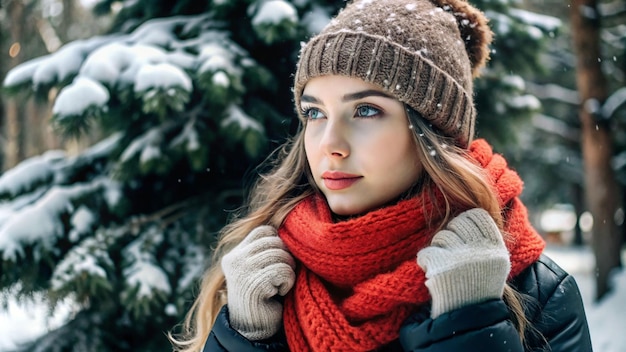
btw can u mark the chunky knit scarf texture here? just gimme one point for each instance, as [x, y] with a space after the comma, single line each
[358, 280]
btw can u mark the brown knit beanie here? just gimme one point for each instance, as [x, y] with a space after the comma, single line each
[425, 53]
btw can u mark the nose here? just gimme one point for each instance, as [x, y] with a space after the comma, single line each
[335, 140]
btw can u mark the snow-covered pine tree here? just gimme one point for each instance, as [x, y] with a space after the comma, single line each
[552, 152]
[190, 97]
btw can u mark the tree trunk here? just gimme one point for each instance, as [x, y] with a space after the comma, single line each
[601, 188]
[24, 121]
[65, 27]
[579, 206]
[13, 146]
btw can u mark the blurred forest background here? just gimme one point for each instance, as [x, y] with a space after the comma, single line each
[129, 131]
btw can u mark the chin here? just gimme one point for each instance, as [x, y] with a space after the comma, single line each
[344, 213]
[347, 208]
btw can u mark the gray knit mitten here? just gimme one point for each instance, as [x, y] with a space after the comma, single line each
[466, 263]
[257, 270]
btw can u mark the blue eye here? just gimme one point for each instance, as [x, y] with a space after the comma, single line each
[367, 111]
[312, 114]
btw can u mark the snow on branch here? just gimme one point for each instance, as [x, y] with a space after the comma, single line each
[56, 67]
[50, 168]
[526, 101]
[144, 273]
[544, 22]
[616, 100]
[83, 94]
[119, 61]
[612, 9]
[146, 145]
[555, 92]
[316, 19]
[614, 36]
[533, 24]
[274, 20]
[88, 259]
[216, 57]
[274, 12]
[237, 117]
[146, 283]
[82, 222]
[163, 76]
[20, 229]
[162, 55]
[188, 137]
[555, 126]
[29, 174]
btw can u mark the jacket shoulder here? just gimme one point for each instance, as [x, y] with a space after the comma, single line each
[540, 280]
[553, 306]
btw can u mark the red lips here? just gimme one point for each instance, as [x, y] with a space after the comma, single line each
[335, 180]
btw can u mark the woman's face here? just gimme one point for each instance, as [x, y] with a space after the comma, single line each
[359, 147]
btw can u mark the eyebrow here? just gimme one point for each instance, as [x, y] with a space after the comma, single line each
[349, 96]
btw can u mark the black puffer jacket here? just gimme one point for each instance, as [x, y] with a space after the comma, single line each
[554, 308]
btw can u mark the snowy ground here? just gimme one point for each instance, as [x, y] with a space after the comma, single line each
[607, 320]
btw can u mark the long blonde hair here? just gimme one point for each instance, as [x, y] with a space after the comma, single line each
[445, 165]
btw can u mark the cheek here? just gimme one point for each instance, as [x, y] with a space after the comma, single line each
[311, 150]
[308, 145]
[392, 150]
[398, 163]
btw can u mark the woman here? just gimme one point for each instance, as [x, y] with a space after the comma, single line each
[383, 170]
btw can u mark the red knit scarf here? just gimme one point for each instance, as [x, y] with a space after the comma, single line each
[358, 280]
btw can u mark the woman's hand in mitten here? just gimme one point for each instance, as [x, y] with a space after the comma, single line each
[256, 271]
[466, 263]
